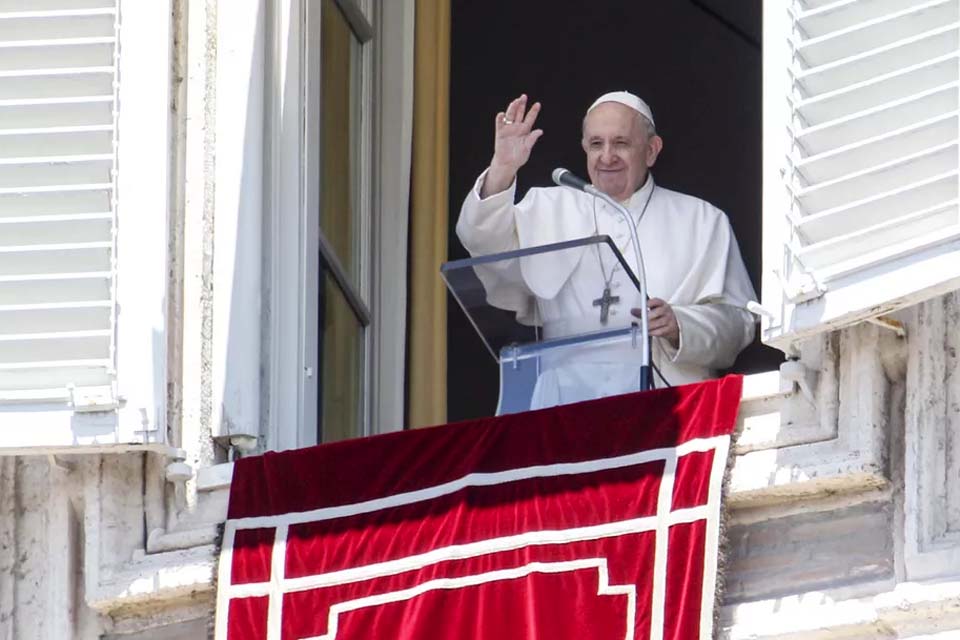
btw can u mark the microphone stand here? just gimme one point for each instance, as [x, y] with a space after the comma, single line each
[646, 376]
[564, 178]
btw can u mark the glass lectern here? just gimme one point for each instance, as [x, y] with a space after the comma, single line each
[556, 318]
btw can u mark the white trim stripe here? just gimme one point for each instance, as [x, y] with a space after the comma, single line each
[664, 504]
[600, 564]
[478, 480]
[462, 552]
[278, 563]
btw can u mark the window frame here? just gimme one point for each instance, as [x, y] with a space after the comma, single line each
[293, 241]
[357, 294]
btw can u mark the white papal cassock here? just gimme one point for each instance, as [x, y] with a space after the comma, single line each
[692, 260]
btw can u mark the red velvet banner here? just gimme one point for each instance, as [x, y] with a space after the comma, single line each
[593, 520]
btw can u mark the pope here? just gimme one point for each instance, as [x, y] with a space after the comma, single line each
[696, 278]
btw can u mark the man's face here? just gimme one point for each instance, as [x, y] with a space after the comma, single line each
[619, 152]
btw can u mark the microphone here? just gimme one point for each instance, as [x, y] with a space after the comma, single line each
[565, 178]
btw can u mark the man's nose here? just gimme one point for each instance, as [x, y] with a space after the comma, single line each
[606, 154]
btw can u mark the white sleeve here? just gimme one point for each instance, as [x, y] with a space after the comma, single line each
[711, 335]
[488, 225]
[715, 326]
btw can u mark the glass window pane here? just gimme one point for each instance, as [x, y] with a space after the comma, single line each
[341, 358]
[340, 133]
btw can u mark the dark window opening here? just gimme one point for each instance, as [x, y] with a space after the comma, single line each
[696, 62]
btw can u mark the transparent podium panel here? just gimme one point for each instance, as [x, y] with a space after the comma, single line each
[556, 318]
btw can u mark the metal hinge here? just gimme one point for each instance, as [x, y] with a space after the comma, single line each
[803, 377]
[93, 399]
[795, 293]
[890, 324]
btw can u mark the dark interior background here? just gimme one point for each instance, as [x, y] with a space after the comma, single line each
[696, 62]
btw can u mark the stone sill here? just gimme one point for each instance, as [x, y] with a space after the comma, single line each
[157, 580]
[907, 610]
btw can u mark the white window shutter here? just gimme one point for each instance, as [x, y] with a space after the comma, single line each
[57, 160]
[861, 159]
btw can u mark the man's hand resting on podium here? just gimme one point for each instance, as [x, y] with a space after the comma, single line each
[662, 321]
[513, 141]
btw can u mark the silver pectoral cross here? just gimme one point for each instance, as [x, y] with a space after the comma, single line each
[604, 303]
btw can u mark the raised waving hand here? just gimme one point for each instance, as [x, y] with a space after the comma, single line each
[513, 141]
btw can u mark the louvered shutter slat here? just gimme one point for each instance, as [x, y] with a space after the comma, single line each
[63, 87]
[88, 52]
[833, 73]
[871, 33]
[833, 252]
[11, 6]
[52, 229]
[880, 149]
[56, 260]
[55, 346]
[49, 173]
[65, 202]
[31, 114]
[901, 172]
[57, 161]
[818, 19]
[882, 206]
[34, 26]
[50, 318]
[65, 141]
[883, 89]
[858, 127]
[83, 288]
[47, 361]
[41, 381]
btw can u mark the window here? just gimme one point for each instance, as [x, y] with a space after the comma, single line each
[339, 116]
[344, 215]
[860, 160]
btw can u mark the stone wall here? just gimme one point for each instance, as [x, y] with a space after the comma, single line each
[843, 515]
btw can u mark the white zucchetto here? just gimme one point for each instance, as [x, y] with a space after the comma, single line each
[628, 99]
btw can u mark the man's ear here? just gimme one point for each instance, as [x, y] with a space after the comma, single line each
[654, 147]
